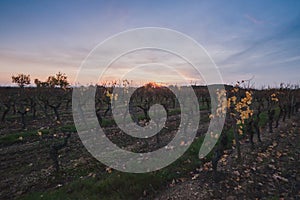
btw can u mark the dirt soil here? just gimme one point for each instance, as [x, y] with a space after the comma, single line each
[270, 171]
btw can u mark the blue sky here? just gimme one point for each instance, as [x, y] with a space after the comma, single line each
[244, 38]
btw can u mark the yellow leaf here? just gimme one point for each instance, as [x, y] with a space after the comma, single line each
[240, 131]
[278, 154]
[233, 142]
[108, 170]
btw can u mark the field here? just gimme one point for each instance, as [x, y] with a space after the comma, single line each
[42, 156]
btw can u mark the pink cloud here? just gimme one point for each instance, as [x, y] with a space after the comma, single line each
[254, 20]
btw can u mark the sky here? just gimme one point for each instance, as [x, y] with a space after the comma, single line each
[246, 39]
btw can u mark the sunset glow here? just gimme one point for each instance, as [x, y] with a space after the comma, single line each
[41, 38]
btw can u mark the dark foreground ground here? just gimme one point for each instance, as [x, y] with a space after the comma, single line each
[271, 171]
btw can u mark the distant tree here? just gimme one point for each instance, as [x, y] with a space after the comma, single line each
[52, 82]
[21, 80]
[39, 83]
[60, 80]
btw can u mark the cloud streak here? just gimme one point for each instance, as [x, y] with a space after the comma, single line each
[244, 39]
[254, 20]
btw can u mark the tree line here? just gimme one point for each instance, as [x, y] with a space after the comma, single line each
[58, 80]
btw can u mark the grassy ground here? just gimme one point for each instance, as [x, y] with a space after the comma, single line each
[118, 185]
[88, 182]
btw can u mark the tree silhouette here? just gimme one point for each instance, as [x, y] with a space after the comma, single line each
[59, 80]
[21, 80]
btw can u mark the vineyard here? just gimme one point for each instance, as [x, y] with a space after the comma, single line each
[256, 156]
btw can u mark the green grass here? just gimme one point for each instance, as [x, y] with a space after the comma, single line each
[115, 186]
[15, 137]
[203, 107]
[263, 119]
[68, 128]
[277, 111]
[111, 122]
[12, 138]
[176, 111]
[118, 185]
[230, 138]
[107, 122]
